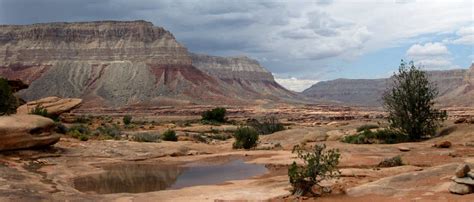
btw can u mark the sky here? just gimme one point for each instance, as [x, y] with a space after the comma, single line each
[301, 42]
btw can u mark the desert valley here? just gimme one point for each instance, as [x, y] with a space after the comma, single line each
[122, 111]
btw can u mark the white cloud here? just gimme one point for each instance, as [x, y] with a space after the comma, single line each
[295, 84]
[428, 50]
[465, 36]
[431, 56]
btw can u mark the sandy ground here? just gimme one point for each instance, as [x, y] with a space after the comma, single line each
[48, 174]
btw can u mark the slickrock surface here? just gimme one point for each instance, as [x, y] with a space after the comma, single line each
[54, 105]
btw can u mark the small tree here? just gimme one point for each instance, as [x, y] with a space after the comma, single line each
[170, 135]
[8, 102]
[245, 137]
[319, 164]
[410, 103]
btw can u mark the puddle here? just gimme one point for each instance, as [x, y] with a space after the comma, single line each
[138, 178]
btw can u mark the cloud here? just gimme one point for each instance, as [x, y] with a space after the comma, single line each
[428, 50]
[465, 36]
[295, 84]
[431, 56]
[296, 33]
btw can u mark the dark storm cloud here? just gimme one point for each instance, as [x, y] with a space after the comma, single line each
[260, 29]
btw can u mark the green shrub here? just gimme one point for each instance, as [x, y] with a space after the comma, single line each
[367, 127]
[8, 102]
[245, 137]
[60, 128]
[39, 110]
[319, 164]
[170, 135]
[220, 137]
[268, 125]
[83, 119]
[127, 119]
[384, 136]
[80, 132]
[147, 137]
[391, 162]
[214, 115]
[110, 131]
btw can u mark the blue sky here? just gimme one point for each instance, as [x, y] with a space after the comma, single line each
[300, 41]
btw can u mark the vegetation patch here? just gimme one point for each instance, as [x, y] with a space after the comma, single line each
[384, 136]
[318, 164]
[216, 115]
[267, 125]
[80, 132]
[391, 162]
[170, 135]
[8, 102]
[245, 137]
[109, 132]
[147, 137]
[127, 120]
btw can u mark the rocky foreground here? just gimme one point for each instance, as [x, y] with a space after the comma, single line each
[426, 174]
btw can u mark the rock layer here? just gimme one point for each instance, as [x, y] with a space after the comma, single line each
[114, 63]
[368, 92]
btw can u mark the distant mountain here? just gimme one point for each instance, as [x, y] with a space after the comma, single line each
[456, 88]
[117, 63]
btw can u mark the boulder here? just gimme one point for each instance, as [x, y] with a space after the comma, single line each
[26, 131]
[54, 105]
[462, 170]
[460, 188]
[443, 144]
[464, 180]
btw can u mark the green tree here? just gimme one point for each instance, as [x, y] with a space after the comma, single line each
[215, 115]
[410, 103]
[8, 102]
[245, 137]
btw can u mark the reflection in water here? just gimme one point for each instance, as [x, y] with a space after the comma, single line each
[136, 178]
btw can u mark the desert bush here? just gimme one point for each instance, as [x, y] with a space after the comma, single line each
[318, 164]
[385, 136]
[268, 125]
[83, 119]
[8, 102]
[147, 137]
[80, 132]
[109, 131]
[245, 137]
[170, 135]
[214, 115]
[410, 103]
[200, 137]
[39, 110]
[60, 128]
[367, 127]
[127, 119]
[391, 162]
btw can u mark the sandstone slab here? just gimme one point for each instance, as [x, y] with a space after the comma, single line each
[26, 131]
[54, 105]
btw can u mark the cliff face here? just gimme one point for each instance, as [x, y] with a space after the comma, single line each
[112, 63]
[241, 74]
[454, 86]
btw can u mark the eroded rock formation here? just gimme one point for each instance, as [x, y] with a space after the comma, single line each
[368, 92]
[115, 63]
[26, 131]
